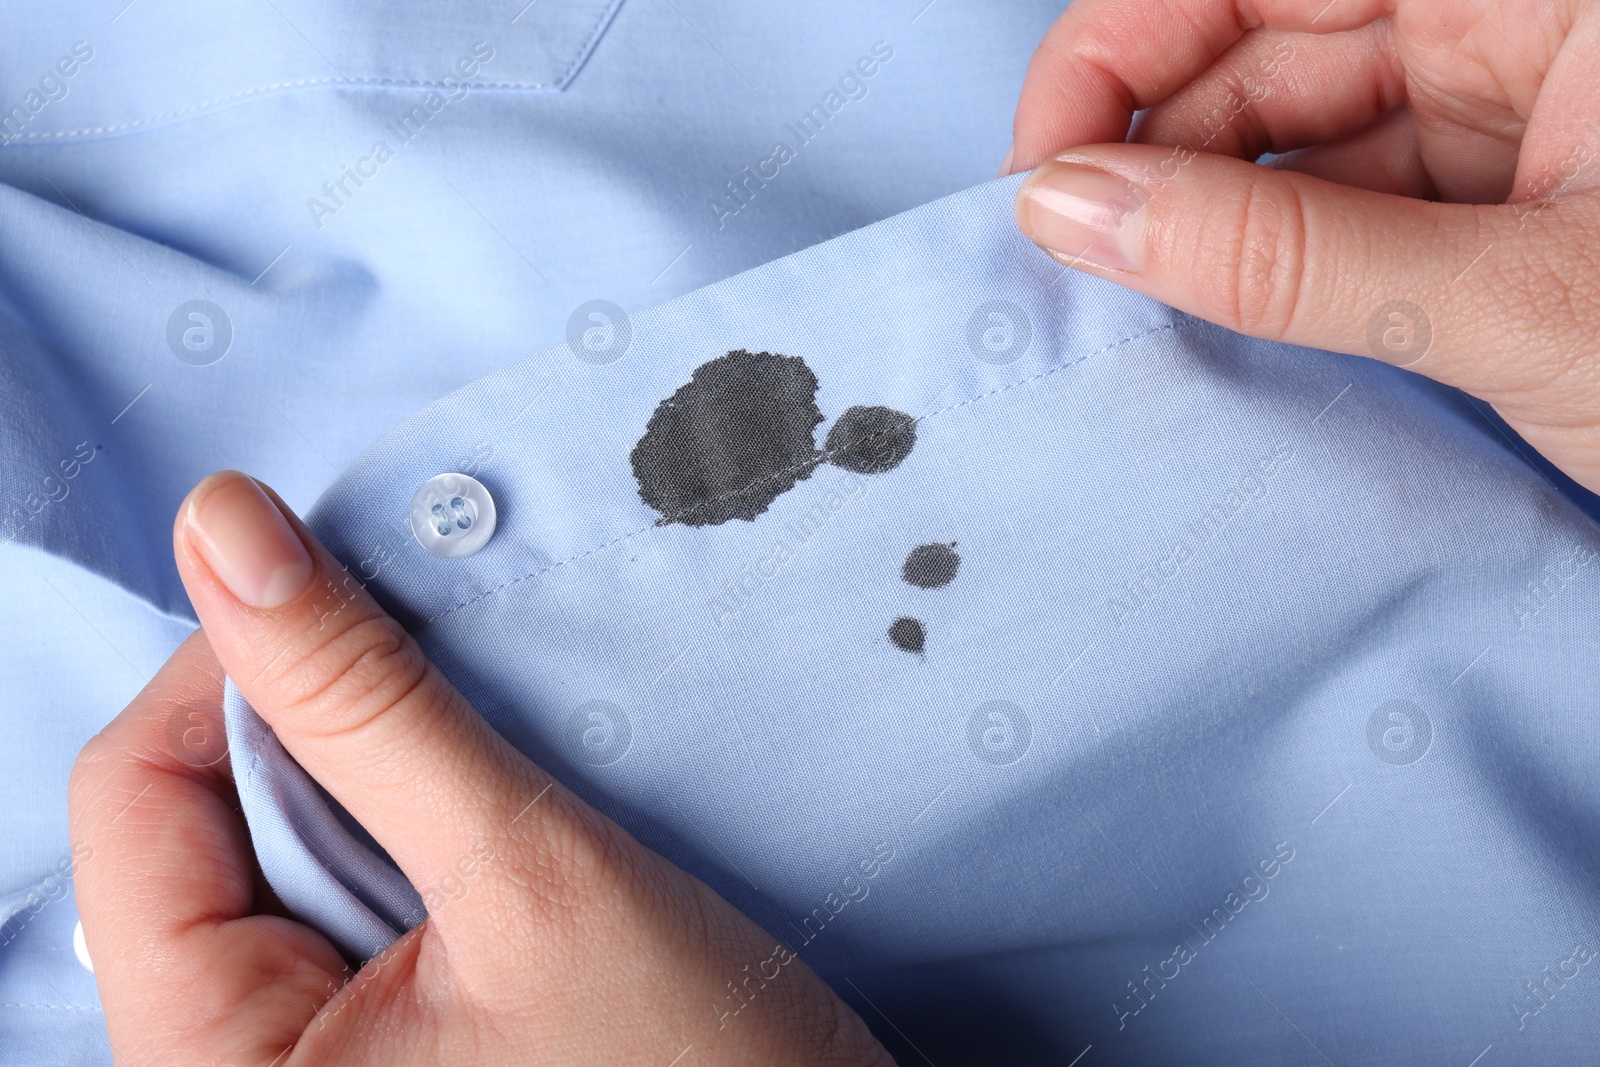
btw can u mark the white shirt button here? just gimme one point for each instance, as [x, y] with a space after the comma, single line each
[452, 515]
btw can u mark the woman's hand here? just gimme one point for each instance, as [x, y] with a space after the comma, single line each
[571, 944]
[1381, 106]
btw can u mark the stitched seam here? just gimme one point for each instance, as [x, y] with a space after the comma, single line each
[55, 1007]
[589, 42]
[939, 411]
[582, 54]
[260, 90]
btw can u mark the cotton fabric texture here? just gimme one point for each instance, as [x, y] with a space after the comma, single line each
[1233, 708]
[1153, 703]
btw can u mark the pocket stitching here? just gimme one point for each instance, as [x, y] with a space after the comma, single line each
[560, 82]
[589, 43]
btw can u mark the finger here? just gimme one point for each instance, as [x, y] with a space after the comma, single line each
[1383, 158]
[1560, 148]
[346, 689]
[1277, 91]
[1105, 59]
[165, 885]
[1280, 255]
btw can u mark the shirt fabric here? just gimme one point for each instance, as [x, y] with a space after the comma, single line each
[1283, 656]
[171, 153]
[1252, 678]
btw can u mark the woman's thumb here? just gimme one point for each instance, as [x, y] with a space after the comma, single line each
[1476, 296]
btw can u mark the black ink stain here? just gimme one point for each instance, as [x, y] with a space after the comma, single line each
[740, 434]
[931, 566]
[908, 634]
[871, 440]
[728, 443]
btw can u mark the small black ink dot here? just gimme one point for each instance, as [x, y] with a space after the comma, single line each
[931, 566]
[870, 440]
[908, 634]
[725, 445]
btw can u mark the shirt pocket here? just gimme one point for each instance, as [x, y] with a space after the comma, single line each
[76, 72]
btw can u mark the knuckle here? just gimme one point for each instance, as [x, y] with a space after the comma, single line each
[1259, 232]
[1566, 300]
[573, 867]
[1540, 314]
[346, 679]
[1530, 313]
[88, 775]
[836, 1033]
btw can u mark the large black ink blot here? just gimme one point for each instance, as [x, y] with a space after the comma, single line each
[871, 440]
[740, 434]
[728, 443]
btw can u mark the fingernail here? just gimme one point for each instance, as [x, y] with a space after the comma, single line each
[1082, 214]
[1005, 164]
[247, 542]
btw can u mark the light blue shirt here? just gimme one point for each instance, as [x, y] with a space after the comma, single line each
[1147, 691]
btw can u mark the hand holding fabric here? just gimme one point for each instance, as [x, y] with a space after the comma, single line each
[569, 944]
[1433, 205]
